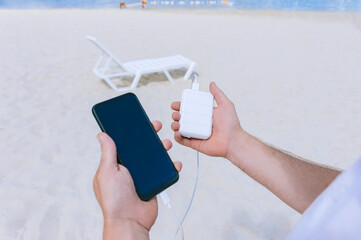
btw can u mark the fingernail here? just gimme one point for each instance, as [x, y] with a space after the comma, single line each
[100, 139]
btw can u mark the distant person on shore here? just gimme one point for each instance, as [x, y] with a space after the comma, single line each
[122, 5]
[144, 3]
[331, 208]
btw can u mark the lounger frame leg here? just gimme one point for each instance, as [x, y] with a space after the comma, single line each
[110, 83]
[190, 71]
[168, 76]
[106, 66]
[136, 80]
[98, 62]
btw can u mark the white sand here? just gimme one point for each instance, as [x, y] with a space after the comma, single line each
[294, 77]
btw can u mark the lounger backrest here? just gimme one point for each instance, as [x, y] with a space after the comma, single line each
[104, 50]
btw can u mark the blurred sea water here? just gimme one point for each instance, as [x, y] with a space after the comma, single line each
[310, 5]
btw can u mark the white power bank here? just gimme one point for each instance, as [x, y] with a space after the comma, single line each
[196, 112]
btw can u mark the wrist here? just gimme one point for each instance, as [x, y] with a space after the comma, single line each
[240, 147]
[126, 229]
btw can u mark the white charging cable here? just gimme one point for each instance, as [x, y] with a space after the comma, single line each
[164, 196]
[166, 200]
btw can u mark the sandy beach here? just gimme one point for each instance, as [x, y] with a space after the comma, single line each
[293, 76]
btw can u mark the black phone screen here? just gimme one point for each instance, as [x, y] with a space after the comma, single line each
[139, 148]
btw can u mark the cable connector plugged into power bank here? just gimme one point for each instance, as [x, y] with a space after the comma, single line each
[196, 112]
[195, 84]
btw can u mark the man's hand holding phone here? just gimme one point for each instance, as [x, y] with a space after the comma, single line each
[125, 214]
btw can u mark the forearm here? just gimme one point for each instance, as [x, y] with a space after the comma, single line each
[295, 181]
[125, 230]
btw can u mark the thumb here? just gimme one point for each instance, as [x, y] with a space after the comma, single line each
[109, 152]
[217, 94]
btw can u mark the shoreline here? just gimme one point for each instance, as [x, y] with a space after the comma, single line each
[319, 16]
[243, 12]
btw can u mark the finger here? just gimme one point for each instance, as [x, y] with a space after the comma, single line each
[123, 169]
[127, 178]
[109, 152]
[178, 137]
[175, 126]
[176, 116]
[157, 125]
[178, 165]
[175, 106]
[218, 94]
[167, 144]
[188, 142]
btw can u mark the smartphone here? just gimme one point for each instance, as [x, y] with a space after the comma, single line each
[139, 148]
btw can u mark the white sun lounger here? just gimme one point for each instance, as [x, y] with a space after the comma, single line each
[104, 70]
